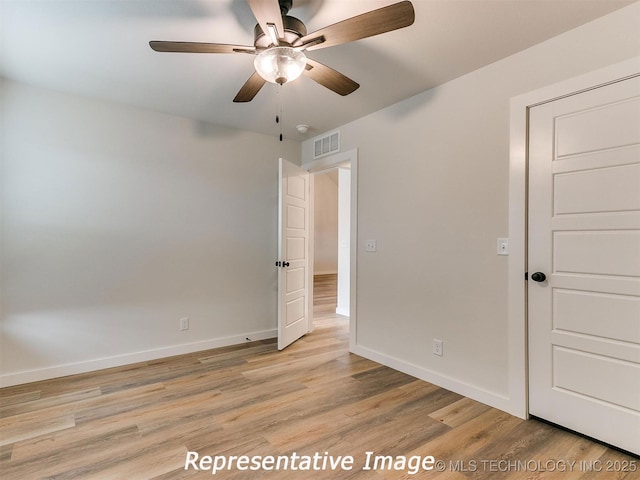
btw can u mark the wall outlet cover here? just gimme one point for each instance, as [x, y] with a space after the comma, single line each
[438, 347]
[371, 246]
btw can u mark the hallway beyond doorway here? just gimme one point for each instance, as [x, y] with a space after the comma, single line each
[325, 288]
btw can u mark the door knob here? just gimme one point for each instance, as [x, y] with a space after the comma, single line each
[538, 277]
[285, 264]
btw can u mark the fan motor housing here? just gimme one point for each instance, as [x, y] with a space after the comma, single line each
[293, 30]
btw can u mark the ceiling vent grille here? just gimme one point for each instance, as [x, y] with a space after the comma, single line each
[326, 145]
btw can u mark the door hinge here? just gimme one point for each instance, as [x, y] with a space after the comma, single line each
[526, 275]
[278, 264]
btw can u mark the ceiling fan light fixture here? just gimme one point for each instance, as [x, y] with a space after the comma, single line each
[280, 64]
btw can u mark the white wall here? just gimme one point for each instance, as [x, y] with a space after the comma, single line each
[325, 223]
[433, 191]
[117, 222]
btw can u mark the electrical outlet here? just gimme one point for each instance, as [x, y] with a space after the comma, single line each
[437, 347]
[184, 323]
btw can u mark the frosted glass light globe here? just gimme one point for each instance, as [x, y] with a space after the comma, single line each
[280, 64]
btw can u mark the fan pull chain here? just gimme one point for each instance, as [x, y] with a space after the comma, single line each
[279, 113]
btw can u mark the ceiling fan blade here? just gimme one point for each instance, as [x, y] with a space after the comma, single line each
[330, 78]
[375, 22]
[250, 89]
[267, 12]
[198, 47]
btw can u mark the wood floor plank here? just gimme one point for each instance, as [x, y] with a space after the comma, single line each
[463, 442]
[25, 427]
[148, 418]
[557, 457]
[80, 457]
[318, 426]
[139, 421]
[144, 465]
[523, 441]
[338, 368]
[50, 401]
[8, 400]
[199, 382]
[460, 412]
[117, 402]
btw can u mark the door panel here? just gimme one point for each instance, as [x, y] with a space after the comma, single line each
[295, 280]
[295, 248]
[598, 128]
[584, 234]
[293, 254]
[579, 311]
[570, 188]
[294, 312]
[296, 217]
[597, 252]
[595, 377]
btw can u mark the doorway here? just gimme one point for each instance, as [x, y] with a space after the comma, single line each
[331, 231]
[332, 269]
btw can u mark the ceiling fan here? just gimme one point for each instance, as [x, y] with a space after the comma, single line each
[280, 43]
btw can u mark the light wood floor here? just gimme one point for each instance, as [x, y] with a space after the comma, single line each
[324, 301]
[139, 421]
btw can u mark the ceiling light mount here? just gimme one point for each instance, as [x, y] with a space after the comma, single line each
[294, 29]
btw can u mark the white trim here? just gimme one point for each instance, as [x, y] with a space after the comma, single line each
[332, 161]
[28, 376]
[327, 163]
[312, 251]
[353, 242]
[468, 390]
[518, 373]
[342, 311]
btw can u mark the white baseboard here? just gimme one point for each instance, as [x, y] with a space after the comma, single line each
[47, 373]
[471, 391]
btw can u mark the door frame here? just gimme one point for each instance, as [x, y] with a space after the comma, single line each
[316, 166]
[518, 213]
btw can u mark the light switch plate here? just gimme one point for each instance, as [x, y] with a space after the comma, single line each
[370, 246]
[503, 246]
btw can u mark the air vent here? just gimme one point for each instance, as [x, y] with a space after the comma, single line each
[326, 145]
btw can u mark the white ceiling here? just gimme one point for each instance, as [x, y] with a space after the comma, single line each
[99, 48]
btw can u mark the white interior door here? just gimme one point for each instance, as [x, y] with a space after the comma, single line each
[584, 236]
[293, 254]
